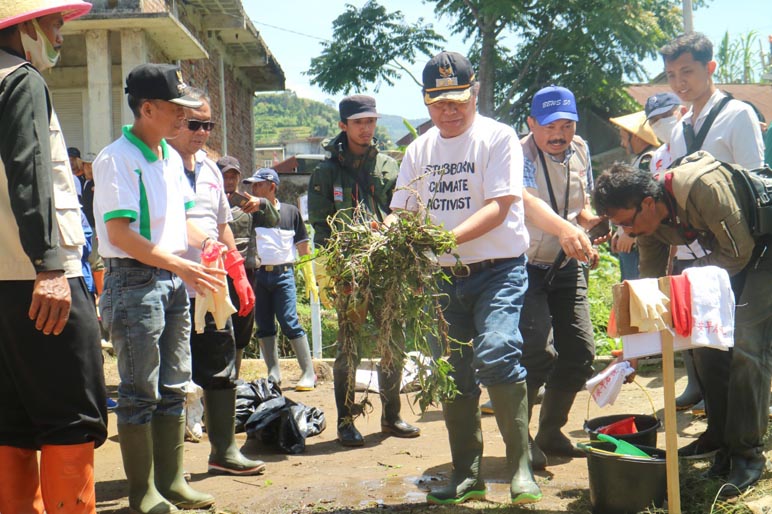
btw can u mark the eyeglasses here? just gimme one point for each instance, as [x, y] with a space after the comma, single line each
[196, 125]
[631, 223]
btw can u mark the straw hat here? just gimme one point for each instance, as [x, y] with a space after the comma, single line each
[18, 11]
[637, 124]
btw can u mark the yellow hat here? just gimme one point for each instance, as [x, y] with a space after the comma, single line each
[18, 11]
[637, 124]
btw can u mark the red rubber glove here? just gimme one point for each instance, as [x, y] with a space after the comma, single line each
[234, 265]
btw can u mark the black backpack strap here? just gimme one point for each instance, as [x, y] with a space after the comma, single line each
[695, 142]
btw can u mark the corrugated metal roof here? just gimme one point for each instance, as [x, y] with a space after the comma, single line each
[758, 94]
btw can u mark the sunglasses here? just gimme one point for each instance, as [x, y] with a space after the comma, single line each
[196, 125]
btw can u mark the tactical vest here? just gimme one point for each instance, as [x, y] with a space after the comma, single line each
[14, 262]
[544, 247]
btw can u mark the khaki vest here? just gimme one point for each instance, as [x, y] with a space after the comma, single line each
[544, 247]
[14, 262]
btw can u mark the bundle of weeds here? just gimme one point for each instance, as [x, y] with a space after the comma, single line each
[390, 273]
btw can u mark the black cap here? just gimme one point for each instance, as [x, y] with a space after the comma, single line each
[228, 163]
[448, 76]
[357, 106]
[73, 152]
[160, 82]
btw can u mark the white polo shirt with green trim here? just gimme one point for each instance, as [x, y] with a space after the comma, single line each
[130, 181]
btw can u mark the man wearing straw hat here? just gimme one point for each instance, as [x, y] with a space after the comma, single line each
[49, 336]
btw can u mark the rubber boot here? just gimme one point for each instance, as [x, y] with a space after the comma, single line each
[348, 435]
[462, 420]
[538, 459]
[746, 471]
[137, 451]
[168, 449]
[389, 382]
[553, 416]
[269, 349]
[307, 380]
[67, 478]
[19, 481]
[510, 404]
[692, 394]
[225, 458]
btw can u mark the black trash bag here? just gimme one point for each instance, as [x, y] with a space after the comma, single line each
[251, 394]
[283, 424]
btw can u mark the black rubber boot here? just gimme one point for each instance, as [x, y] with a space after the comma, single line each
[538, 459]
[510, 405]
[746, 471]
[168, 449]
[462, 420]
[348, 435]
[225, 458]
[389, 383]
[553, 416]
[692, 394]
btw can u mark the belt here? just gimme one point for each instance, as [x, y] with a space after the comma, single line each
[464, 270]
[276, 268]
[125, 262]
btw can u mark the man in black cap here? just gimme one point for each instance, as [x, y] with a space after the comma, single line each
[358, 180]
[483, 203]
[249, 212]
[140, 201]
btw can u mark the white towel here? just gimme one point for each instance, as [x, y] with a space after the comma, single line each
[712, 307]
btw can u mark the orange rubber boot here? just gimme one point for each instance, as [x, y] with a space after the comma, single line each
[19, 481]
[67, 478]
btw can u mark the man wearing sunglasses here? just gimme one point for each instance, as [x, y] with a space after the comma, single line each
[213, 351]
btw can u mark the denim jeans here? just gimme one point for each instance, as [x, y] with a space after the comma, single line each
[628, 264]
[484, 309]
[146, 312]
[275, 299]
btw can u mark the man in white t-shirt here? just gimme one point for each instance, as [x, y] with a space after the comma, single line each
[467, 173]
[733, 136]
[213, 350]
[141, 197]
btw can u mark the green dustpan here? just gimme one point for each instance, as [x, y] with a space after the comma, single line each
[623, 447]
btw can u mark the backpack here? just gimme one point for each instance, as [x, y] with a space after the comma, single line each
[758, 187]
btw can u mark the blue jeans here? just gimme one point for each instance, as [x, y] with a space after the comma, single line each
[628, 264]
[484, 308]
[146, 312]
[275, 299]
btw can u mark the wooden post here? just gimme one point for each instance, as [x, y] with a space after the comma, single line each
[671, 428]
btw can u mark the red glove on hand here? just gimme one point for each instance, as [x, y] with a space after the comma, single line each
[234, 265]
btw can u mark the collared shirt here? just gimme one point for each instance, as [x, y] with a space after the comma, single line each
[734, 137]
[529, 169]
[132, 182]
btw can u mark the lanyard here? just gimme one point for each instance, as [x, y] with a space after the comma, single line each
[549, 186]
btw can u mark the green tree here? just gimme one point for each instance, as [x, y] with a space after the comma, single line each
[738, 59]
[518, 46]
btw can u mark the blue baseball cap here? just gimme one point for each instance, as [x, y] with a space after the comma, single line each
[553, 103]
[660, 104]
[263, 175]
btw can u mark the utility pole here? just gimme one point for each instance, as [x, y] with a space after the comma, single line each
[688, 22]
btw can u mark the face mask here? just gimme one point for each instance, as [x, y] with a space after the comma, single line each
[663, 127]
[41, 53]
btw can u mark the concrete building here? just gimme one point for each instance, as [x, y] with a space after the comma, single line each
[214, 42]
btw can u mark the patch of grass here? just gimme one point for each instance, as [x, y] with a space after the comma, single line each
[601, 299]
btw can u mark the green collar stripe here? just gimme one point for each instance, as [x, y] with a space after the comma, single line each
[144, 209]
[189, 205]
[147, 153]
[121, 213]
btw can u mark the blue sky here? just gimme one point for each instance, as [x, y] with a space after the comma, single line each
[293, 30]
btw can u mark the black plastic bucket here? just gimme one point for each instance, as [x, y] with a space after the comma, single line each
[647, 428]
[620, 484]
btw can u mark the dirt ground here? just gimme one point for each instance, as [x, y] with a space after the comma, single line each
[387, 473]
